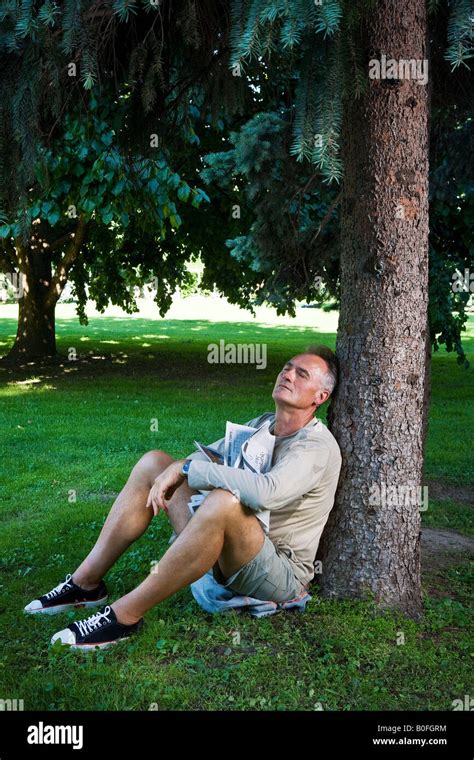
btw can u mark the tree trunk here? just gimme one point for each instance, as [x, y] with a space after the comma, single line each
[35, 337]
[371, 546]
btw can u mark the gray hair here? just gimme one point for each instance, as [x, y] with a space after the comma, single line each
[331, 375]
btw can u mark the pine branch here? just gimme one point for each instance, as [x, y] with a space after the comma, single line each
[197, 76]
[460, 33]
[327, 217]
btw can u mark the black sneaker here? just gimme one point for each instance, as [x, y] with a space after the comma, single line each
[98, 631]
[67, 596]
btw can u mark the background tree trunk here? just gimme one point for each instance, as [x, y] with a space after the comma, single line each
[377, 412]
[35, 337]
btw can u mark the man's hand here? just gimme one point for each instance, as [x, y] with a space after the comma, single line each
[165, 485]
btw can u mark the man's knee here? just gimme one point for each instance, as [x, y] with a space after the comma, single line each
[222, 502]
[153, 462]
[156, 456]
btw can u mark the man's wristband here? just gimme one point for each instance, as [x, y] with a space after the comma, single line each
[185, 466]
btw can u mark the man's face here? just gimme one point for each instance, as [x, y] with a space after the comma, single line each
[300, 383]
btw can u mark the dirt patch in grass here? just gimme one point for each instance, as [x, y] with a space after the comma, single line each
[440, 490]
[441, 549]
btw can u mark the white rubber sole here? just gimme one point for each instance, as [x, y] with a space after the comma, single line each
[91, 647]
[65, 607]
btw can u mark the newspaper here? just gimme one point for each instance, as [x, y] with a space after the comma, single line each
[235, 437]
[245, 447]
[212, 454]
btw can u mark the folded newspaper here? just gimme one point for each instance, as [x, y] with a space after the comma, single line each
[245, 447]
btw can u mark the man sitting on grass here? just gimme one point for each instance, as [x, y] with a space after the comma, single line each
[224, 534]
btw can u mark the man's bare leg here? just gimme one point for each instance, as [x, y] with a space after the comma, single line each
[128, 518]
[222, 529]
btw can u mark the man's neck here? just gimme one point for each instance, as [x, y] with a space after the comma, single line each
[288, 421]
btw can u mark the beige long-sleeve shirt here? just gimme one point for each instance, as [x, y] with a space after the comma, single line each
[298, 489]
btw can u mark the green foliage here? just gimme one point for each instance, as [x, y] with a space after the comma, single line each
[325, 69]
[289, 242]
[293, 29]
[451, 223]
[447, 308]
[460, 33]
[123, 8]
[52, 52]
[298, 62]
[321, 43]
[282, 208]
[129, 202]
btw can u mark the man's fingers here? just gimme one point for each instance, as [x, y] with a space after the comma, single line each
[158, 494]
[160, 498]
[151, 502]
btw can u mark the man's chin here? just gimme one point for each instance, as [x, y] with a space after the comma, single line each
[282, 396]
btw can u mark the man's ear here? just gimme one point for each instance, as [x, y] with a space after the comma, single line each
[321, 397]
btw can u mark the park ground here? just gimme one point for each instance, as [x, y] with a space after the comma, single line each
[74, 429]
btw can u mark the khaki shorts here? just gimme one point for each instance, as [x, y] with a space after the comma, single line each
[268, 576]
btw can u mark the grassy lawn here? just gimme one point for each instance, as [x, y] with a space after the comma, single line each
[77, 430]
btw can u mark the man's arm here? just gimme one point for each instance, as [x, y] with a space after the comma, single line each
[220, 444]
[200, 457]
[296, 473]
[170, 479]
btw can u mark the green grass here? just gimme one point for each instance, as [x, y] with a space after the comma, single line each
[449, 454]
[450, 515]
[78, 430]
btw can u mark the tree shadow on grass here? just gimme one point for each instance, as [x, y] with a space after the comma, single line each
[176, 349]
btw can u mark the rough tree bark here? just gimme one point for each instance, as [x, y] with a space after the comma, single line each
[377, 412]
[41, 289]
[35, 336]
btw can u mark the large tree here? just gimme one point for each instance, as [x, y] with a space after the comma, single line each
[283, 89]
[372, 541]
[166, 96]
[98, 216]
[373, 537]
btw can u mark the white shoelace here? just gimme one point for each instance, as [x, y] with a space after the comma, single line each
[58, 588]
[93, 622]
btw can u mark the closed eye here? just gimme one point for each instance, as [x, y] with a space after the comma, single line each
[300, 371]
